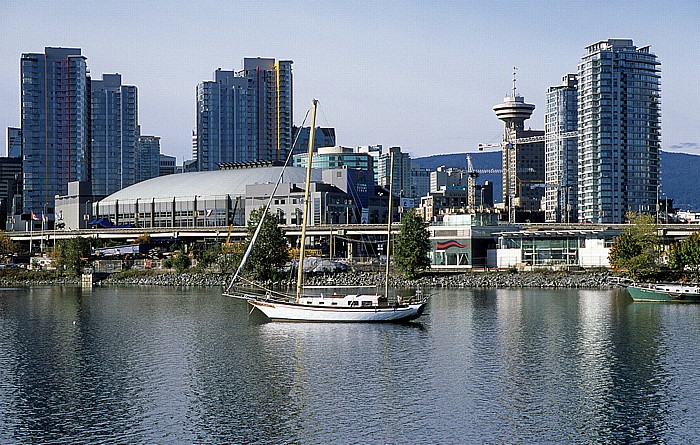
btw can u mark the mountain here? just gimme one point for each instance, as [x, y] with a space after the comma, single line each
[680, 174]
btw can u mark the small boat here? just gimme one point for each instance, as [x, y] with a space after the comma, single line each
[681, 293]
[319, 308]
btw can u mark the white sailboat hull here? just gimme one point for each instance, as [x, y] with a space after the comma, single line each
[297, 312]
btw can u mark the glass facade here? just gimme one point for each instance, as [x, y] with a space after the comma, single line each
[561, 154]
[147, 158]
[619, 131]
[245, 116]
[55, 125]
[114, 130]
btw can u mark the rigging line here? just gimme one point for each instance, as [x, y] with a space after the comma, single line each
[267, 208]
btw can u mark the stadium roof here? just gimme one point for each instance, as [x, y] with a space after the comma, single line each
[210, 183]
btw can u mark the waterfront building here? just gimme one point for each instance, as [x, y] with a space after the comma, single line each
[465, 240]
[13, 142]
[374, 151]
[114, 131]
[166, 165]
[55, 125]
[619, 131]
[551, 248]
[561, 154]
[245, 116]
[10, 187]
[323, 137]
[523, 160]
[147, 158]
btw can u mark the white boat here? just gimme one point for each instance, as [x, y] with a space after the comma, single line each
[320, 308]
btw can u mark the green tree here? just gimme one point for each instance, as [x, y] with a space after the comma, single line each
[636, 249]
[179, 262]
[271, 250]
[412, 245]
[72, 254]
[209, 256]
[686, 254]
[7, 245]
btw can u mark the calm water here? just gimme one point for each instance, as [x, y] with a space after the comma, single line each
[151, 365]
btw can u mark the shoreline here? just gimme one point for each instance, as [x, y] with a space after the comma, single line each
[494, 279]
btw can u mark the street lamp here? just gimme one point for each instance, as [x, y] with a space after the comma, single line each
[86, 215]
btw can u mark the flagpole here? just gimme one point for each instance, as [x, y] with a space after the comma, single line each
[31, 235]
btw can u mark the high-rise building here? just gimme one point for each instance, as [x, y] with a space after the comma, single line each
[402, 171]
[114, 130]
[420, 181]
[619, 131]
[55, 125]
[147, 158]
[245, 116]
[13, 142]
[561, 154]
[523, 161]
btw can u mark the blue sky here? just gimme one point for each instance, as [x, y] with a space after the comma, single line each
[422, 75]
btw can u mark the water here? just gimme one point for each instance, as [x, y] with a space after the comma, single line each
[154, 365]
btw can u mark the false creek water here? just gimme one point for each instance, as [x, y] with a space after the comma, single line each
[174, 365]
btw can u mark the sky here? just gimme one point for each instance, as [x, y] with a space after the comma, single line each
[422, 75]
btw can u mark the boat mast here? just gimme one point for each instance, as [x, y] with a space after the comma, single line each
[300, 271]
[388, 226]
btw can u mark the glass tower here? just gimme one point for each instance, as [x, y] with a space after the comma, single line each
[619, 131]
[245, 116]
[561, 155]
[147, 158]
[55, 125]
[114, 130]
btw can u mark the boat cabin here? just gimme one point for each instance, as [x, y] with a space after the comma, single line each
[354, 300]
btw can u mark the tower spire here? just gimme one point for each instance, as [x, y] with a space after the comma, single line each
[515, 69]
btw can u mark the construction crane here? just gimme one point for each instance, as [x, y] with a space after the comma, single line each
[508, 146]
[474, 173]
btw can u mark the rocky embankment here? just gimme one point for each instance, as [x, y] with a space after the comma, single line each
[577, 280]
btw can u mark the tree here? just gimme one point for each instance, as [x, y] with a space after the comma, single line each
[271, 250]
[686, 254]
[7, 245]
[636, 249]
[71, 254]
[179, 262]
[412, 245]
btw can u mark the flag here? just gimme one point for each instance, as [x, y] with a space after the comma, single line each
[34, 217]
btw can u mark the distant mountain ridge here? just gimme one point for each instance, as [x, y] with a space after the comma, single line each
[680, 173]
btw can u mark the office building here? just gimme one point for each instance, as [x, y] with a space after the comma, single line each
[619, 131]
[420, 181]
[561, 154]
[147, 158]
[166, 165]
[402, 171]
[114, 131]
[245, 116]
[55, 125]
[13, 142]
[448, 177]
[337, 157]
[323, 137]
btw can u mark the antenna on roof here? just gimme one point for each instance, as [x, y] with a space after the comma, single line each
[515, 69]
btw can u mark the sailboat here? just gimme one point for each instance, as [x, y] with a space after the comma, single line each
[372, 307]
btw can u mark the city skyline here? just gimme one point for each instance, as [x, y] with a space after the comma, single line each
[423, 76]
